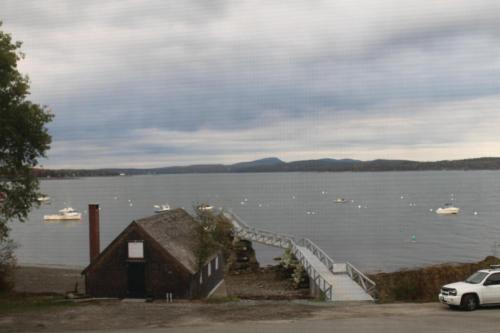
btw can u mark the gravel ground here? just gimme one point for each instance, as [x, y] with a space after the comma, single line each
[265, 284]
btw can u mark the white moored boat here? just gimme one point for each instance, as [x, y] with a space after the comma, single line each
[162, 208]
[65, 214]
[448, 209]
[205, 207]
[340, 200]
[43, 199]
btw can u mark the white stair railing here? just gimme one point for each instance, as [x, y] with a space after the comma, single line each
[286, 241]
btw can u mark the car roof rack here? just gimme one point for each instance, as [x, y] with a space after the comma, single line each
[495, 267]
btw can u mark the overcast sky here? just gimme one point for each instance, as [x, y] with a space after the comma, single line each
[155, 83]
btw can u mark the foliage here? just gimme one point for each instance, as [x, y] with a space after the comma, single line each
[286, 259]
[242, 256]
[215, 233]
[299, 277]
[423, 285]
[23, 137]
[294, 270]
[7, 264]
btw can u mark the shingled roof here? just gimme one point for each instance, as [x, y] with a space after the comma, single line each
[175, 231]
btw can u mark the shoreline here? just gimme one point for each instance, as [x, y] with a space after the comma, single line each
[48, 280]
[269, 172]
[50, 266]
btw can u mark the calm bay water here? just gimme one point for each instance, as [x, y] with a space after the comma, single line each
[374, 232]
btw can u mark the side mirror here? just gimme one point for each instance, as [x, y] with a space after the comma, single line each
[487, 283]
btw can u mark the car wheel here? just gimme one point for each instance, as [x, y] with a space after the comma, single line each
[469, 302]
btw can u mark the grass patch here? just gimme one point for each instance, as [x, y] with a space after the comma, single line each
[320, 298]
[20, 302]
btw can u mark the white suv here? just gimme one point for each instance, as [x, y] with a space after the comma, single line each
[481, 288]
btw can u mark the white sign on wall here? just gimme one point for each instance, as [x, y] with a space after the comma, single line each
[136, 250]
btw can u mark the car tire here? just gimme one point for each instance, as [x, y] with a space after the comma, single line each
[469, 302]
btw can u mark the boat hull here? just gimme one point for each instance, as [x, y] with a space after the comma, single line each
[75, 217]
[448, 211]
[43, 200]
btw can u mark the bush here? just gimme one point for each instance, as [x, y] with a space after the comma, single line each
[215, 232]
[7, 265]
[291, 268]
[423, 285]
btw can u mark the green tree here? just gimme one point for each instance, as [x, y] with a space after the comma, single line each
[215, 232]
[23, 137]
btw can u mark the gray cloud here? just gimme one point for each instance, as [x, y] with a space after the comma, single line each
[111, 71]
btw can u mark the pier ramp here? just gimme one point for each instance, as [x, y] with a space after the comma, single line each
[339, 282]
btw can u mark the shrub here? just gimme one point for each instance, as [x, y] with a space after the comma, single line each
[7, 265]
[423, 285]
[215, 233]
[294, 270]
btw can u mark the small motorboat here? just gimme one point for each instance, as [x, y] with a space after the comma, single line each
[162, 208]
[204, 207]
[340, 200]
[448, 209]
[65, 214]
[43, 199]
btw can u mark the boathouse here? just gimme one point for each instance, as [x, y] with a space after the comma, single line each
[153, 257]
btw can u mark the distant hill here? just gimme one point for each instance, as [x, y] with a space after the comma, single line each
[274, 164]
[262, 163]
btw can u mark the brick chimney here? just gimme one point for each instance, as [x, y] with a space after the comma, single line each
[94, 241]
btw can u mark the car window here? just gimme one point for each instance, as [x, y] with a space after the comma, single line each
[494, 279]
[476, 277]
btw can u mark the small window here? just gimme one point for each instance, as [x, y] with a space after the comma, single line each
[209, 268]
[216, 263]
[136, 250]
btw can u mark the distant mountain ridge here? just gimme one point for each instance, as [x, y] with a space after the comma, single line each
[265, 162]
[274, 164]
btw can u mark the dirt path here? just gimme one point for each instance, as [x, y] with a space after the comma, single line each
[118, 315]
[486, 321]
[124, 314]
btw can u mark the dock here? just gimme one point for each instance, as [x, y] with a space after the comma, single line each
[337, 282]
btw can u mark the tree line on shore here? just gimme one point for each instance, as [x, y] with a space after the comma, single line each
[276, 165]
